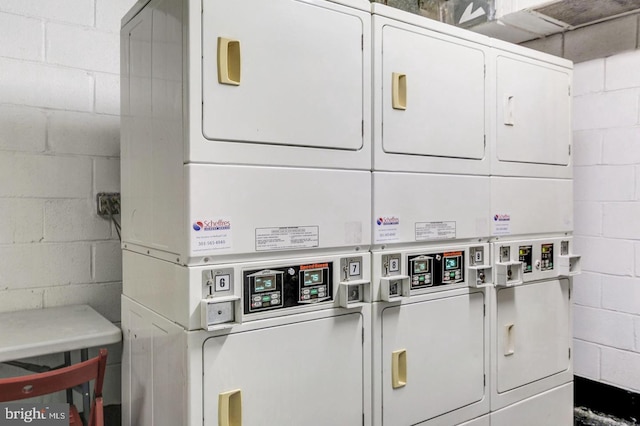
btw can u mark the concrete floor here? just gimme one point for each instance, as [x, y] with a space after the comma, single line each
[586, 417]
[112, 415]
[583, 417]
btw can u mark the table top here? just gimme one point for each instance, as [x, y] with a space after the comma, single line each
[36, 332]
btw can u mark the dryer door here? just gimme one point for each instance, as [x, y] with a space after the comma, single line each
[283, 72]
[443, 365]
[533, 113]
[433, 98]
[533, 332]
[307, 373]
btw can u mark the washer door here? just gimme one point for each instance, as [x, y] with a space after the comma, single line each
[308, 373]
[443, 342]
[532, 332]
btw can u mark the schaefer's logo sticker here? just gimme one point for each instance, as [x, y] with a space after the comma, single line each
[501, 218]
[210, 234]
[211, 225]
[501, 224]
[392, 220]
[387, 229]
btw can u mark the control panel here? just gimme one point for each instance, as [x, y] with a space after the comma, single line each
[287, 286]
[265, 290]
[433, 269]
[526, 257]
[452, 272]
[313, 284]
[534, 259]
[421, 271]
[546, 257]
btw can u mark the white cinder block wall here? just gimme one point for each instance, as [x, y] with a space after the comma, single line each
[59, 146]
[607, 219]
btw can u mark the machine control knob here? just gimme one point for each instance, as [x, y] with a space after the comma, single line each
[537, 264]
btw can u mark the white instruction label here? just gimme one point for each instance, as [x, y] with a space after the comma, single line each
[287, 237]
[386, 229]
[501, 224]
[210, 234]
[435, 230]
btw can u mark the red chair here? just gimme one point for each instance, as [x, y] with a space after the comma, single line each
[16, 388]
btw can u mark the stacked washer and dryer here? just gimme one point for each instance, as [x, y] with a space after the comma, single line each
[341, 213]
[431, 204]
[246, 191]
[532, 224]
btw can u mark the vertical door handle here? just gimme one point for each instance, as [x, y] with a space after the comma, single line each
[399, 368]
[509, 340]
[229, 61]
[509, 105]
[230, 408]
[399, 91]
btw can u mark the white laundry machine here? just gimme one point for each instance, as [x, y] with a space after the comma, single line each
[431, 95]
[430, 160]
[430, 224]
[284, 342]
[431, 335]
[531, 323]
[245, 128]
[531, 166]
[252, 83]
[530, 206]
[532, 115]
[531, 229]
[552, 407]
[246, 206]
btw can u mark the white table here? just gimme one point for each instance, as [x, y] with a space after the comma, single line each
[25, 334]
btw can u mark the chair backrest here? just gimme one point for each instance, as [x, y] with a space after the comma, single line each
[16, 388]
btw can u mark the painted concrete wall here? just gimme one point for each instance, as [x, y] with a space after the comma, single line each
[607, 219]
[606, 143]
[59, 146]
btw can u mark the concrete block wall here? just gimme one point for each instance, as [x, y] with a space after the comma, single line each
[59, 146]
[607, 219]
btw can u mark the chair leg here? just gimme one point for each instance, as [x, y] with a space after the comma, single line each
[86, 393]
[97, 413]
[67, 362]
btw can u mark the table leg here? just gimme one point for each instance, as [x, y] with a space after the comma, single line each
[86, 395]
[67, 362]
